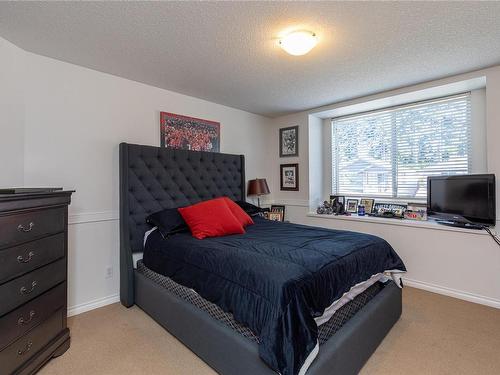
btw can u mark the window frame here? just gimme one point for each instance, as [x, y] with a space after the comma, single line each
[334, 168]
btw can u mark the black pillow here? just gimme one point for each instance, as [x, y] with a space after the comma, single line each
[168, 221]
[249, 208]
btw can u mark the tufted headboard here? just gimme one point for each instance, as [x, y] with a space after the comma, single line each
[155, 178]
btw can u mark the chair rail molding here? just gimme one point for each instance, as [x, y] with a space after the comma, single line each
[92, 217]
[290, 202]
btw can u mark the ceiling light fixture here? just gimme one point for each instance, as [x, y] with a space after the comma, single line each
[298, 43]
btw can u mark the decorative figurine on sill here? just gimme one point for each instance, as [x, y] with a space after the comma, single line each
[333, 208]
[325, 209]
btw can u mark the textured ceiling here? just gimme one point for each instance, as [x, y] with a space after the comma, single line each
[226, 52]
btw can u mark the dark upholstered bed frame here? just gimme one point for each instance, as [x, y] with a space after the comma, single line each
[153, 178]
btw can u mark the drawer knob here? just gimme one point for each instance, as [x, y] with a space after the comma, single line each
[22, 322]
[25, 290]
[22, 228]
[20, 259]
[26, 349]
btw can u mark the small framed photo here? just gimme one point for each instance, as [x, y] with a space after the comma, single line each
[280, 209]
[368, 203]
[275, 216]
[289, 141]
[289, 177]
[352, 206]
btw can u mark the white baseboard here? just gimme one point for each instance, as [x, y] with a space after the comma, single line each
[470, 297]
[87, 306]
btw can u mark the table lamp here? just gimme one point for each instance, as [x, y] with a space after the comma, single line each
[258, 187]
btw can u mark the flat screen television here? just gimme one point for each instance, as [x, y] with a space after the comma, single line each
[463, 199]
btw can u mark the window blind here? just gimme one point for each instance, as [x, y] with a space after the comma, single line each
[390, 152]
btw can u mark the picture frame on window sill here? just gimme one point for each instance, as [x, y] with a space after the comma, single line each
[289, 177]
[396, 208]
[289, 141]
[352, 206]
[368, 203]
[337, 198]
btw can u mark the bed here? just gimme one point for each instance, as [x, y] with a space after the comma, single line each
[152, 179]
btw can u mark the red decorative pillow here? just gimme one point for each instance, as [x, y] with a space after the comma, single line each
[238, 212]
[211, 218]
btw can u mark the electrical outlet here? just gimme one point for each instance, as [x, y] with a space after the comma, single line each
[109, 272]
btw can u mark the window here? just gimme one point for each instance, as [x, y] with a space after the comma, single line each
[390, 152]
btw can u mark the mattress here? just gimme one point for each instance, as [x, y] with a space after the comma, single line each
[325, 330]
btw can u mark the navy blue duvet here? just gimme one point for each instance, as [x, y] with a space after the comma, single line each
[276, 278]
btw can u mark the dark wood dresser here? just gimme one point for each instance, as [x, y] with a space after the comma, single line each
[33, 279]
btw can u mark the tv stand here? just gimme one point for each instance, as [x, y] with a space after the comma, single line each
[459, 224]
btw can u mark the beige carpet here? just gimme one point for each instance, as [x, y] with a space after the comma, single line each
[436, 335]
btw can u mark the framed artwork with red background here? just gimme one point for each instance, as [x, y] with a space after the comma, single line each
[189, 133]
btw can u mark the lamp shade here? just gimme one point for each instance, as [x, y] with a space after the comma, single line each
[258, 187]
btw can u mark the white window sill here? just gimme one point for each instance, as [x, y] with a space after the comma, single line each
[401, 222]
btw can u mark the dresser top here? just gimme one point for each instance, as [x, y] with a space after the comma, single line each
[27, 200]
[27, 193]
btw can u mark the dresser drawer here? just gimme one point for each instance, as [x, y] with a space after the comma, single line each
[23, 289]
[15, 261]
[25, 347]
[18, 322]
[23, 227]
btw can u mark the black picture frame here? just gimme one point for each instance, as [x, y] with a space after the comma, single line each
[279, 208]
[286, 185]
[350, 209]
[339, 198]
[397, 209]
[292, 148]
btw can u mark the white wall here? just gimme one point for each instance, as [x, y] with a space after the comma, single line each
[74, 120]
[462, 264]
[11, 115]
